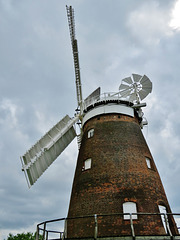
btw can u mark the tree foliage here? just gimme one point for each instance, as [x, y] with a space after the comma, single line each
[22, 236]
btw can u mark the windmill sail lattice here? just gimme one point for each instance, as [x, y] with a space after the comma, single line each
[38, 158]
[71, 22]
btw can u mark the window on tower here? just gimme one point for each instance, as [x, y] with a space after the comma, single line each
[164, 218]
[148, 162]
[129, 207]
[87, 164]
[91, 133]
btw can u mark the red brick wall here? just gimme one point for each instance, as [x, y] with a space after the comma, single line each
[118, 174]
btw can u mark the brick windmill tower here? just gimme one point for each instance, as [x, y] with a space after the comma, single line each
[117, 190]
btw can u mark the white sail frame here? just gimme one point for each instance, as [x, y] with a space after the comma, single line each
[40, 156]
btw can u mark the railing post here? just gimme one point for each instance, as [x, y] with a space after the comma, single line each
[44, 231]
[61, 236]
[47, 235]
[132, 227]
[65, 229]
[37, 233]
[96, 226]
[167, 225]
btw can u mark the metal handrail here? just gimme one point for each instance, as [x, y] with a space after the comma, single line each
[104, 97]
[43, 225]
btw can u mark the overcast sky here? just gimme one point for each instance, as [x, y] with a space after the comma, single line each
[37, 88]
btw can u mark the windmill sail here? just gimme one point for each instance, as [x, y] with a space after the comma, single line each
[92, 98]
[71, 22]
[38, 158]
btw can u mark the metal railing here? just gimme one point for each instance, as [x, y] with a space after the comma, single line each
[108, 96]
[43, 231]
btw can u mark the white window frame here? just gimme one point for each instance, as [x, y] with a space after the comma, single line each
[148, 162]
[87, 164]
[162, 209]
[91, 133]
[129, 207]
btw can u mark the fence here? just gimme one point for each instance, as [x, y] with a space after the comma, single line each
[45, 233]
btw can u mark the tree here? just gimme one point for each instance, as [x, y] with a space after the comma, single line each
[22, 236]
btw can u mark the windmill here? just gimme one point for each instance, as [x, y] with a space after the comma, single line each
[115, 171]
[41, 155]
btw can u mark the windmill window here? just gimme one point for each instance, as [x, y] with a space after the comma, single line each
[91, 133]
[129, 207]
[163, 211]
[148, 162]
[87, 164]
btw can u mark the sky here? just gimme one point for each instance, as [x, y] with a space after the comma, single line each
[37, 89]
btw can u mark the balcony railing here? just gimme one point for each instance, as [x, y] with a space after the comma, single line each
[104, 97]
[45, 232]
